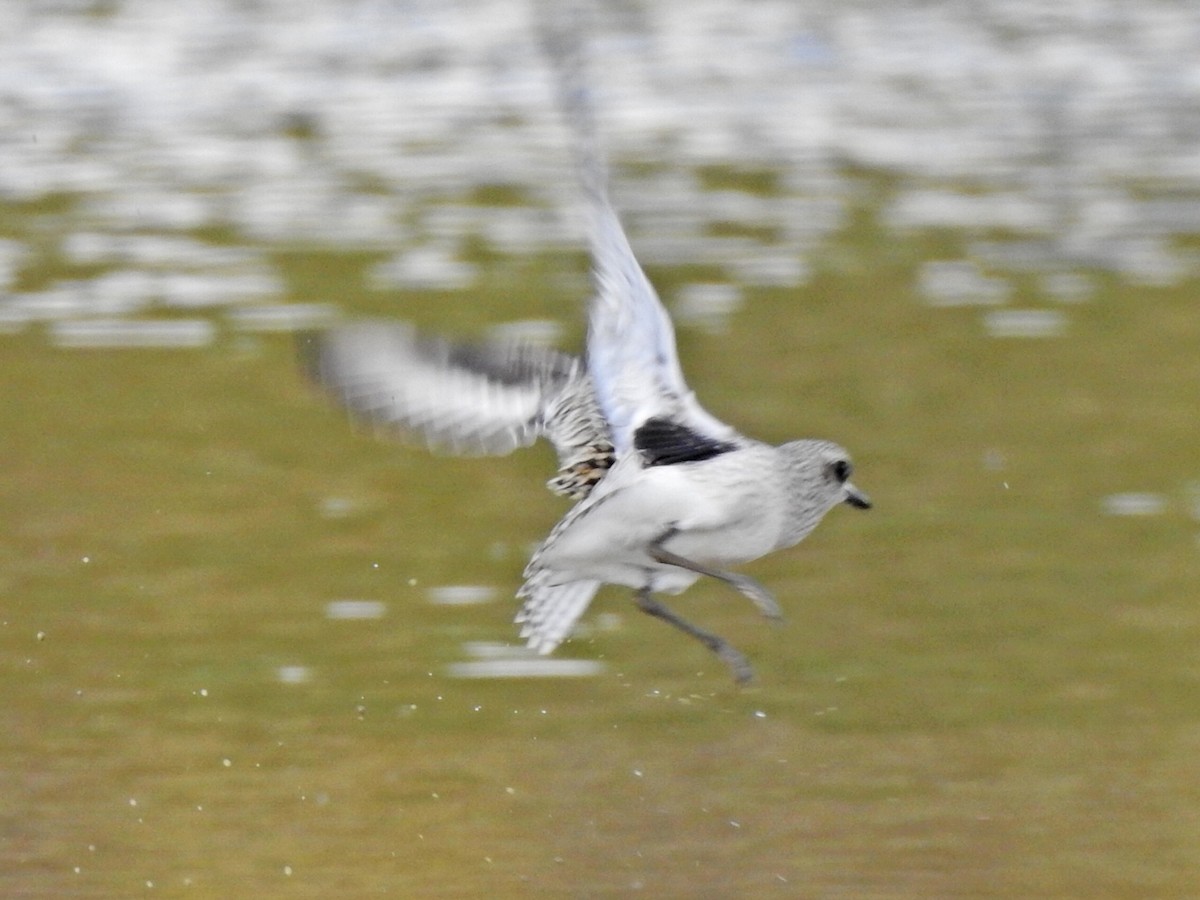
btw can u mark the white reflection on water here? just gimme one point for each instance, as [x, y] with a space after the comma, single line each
[369, 127]
[1067, 287]
[293, 674]
[355, 609]
[114, 333]
[92, 248]
[534, 667]
[707, 304]
[960, 283]
[1192, 494]
[1025, 323]
[1134, 504]
[12, 255]
[429, 267]
[493, 659]
[461, 594]
[336, 507]
[282, 316]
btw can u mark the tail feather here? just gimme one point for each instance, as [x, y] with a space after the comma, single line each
[551, 611]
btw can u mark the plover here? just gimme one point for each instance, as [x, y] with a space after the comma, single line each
[666, 492]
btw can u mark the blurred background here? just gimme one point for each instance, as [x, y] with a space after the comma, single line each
[245, 649]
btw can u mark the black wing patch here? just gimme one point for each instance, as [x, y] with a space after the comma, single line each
[506, 363]
[665, 443]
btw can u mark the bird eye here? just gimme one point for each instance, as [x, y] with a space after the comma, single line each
[841, 470]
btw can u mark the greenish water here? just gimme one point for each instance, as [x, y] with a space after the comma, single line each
[984, 687]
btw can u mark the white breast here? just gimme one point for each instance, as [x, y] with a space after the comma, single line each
[717, 512]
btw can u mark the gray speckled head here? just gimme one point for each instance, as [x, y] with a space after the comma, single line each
[818, 479]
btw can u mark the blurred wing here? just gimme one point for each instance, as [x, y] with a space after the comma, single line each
[550, 612]
[485, 399]
[631, 351]
[631, 344]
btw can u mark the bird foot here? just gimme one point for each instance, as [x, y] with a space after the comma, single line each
[737, 662]
[759, 595]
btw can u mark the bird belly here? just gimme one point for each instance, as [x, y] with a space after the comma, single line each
[701, 514]
[731, 514]
[736, 543]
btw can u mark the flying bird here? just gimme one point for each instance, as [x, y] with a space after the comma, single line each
[665, 492]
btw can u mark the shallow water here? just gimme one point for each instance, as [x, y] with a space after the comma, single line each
[247, 650]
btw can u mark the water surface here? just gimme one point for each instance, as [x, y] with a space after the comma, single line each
[233, 630]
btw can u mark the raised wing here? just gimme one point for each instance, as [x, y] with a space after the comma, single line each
[631, 351]
[468, 399]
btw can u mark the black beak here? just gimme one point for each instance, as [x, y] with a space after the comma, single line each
[856, 498]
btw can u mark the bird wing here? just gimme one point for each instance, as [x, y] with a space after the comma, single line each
[469, 399]
[631, 352]
[550, 612]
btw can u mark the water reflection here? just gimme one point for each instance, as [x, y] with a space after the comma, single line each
[1070, 138]
[355, 609]
[500, 660]
[293, 674]
[1134, 504]
[461, 594]
[113, 333]
[1025, 323]
[708, 305]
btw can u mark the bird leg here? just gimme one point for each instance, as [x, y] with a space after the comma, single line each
[743, 584]
[737, 663]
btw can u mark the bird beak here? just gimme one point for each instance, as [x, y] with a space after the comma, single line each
[856, 498]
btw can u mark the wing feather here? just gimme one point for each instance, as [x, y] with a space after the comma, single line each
[470, 399]
[631, 352]
[484, 400]
[550, 611]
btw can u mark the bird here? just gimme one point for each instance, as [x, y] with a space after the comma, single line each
[665, 493]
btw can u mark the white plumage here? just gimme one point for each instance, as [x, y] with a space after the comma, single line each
[667, 492]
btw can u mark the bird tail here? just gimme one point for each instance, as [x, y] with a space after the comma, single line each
[550, 611]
